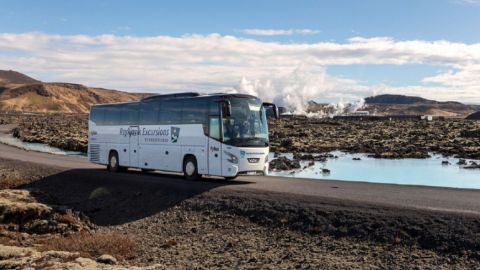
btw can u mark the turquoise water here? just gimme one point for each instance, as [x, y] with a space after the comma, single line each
[39, 147]
[427, 172]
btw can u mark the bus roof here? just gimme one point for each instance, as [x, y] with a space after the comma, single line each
[180, 95]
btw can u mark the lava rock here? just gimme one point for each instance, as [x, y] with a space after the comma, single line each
[107, 259]
[462, 162]
[284, 164]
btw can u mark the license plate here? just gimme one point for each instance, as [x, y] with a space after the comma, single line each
[251, 173]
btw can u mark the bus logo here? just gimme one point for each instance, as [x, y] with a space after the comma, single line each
[175, 133]
[242, 154]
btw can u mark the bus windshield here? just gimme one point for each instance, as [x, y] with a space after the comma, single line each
[247, 125]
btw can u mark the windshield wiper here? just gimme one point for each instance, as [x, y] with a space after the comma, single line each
[256, 139]
[247, 142]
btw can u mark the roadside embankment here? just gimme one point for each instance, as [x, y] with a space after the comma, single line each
[167, 221]
[64, 131]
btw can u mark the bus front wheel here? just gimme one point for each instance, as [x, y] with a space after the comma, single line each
[190, 169]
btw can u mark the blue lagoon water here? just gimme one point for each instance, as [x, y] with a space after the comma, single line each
[427, 172]
[39, 147]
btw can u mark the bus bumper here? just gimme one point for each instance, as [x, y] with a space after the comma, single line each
[248, 171]
[231, 170]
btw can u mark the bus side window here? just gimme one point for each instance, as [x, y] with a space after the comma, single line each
[149, 112]
[214, 127]
[171, 112]
[97, 115]
[129, 114]
[112, 115]
[214, 108]
[195, 111]
[189, 111]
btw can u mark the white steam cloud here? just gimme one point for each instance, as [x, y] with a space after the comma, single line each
[343, 107]
[298, 88]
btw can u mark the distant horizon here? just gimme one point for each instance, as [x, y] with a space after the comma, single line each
[278, 50]
[144, 92]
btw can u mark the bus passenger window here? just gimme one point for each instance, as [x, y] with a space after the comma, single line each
[171, 112]
[97, 115]
[195, 111]
[112, 115]
[149, 113]
[129, 114]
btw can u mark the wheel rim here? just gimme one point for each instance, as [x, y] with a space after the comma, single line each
[189, 168]
[113, 161]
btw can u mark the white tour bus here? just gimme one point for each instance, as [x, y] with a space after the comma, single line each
[217, 135]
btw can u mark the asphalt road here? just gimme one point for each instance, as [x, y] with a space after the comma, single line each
[403, 196]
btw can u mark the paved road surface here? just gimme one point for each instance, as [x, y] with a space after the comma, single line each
[420, 197]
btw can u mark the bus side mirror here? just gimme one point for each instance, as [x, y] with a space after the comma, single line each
[274, 109]
[226, 108]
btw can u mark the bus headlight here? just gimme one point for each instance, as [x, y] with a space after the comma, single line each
[231, 157]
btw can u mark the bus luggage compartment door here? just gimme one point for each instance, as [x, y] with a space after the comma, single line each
[134, 148]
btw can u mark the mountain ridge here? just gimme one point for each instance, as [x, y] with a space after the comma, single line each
[403, 99]
[474, 116]
[390, 104]
[21, 93]
[8, 77]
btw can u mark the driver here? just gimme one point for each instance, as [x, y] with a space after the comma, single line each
[229, 127]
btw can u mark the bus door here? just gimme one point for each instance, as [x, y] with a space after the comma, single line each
[134, 147]
[214, 147]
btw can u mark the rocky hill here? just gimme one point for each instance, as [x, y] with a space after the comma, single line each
[410, 105]
[474, 116]
[21, 93]
[398, 99]
[8, 77]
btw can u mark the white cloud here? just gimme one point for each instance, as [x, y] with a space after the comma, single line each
[468, 2]
[218, 63]
[279, 32]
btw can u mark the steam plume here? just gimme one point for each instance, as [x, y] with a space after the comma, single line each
[297, 89]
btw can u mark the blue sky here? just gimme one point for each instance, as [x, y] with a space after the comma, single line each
[454, 20]
[262, 23]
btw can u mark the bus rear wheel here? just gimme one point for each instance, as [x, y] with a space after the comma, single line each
[113, 163]
[190, 168]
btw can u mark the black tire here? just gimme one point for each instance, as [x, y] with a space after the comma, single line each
[113, 164]
[190, 169]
